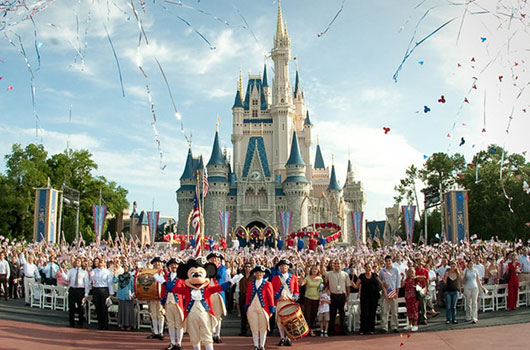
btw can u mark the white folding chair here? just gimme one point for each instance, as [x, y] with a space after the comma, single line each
[353, 316]
[48, 296]
[35, 295]
[403, 319]
[91, 311]
[143, 317]
[61, 298]
[501, 297]
[487, 300]
[522, 299]
[113, 311]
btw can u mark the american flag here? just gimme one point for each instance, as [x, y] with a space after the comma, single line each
[205, 185]
[196, 223]
[391, 293]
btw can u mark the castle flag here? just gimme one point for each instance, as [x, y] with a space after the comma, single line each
[408, 220]
[152, 220]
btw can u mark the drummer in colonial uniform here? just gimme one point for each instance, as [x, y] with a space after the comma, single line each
[285, 287]
[155, 307]
[259, 305]
[218, 299]
[172, 303]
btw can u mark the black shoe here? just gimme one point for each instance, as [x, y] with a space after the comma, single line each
[262, 348]
[455, 322]
[395, 330]
[282, 342]
[170, 347]
[72, 325]
[287, 342]
[176, 347]
[384, 331]
[256, 348]
[447, 322]
[217, 339]
[160, 336]
[243, 334]
[152, 336]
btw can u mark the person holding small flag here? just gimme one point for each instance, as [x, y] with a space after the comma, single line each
[391, 281]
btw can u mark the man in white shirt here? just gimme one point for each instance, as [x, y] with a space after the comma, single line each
[31, 275]
[79, 284]
[4, 273]
[50, 271]
[524, 260]
[102, 289]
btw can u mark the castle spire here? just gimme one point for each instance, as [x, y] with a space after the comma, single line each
[188, 169]
[296, 83]
[265, 84]
[295, 158]
[333, 184]
[217, 156]
[319, 160]
[280, 30]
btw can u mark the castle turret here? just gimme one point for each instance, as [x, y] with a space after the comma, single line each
[296, 187]
[186, 192]
[219, 186]
[354, 199]
[320, 176]
[237, 124]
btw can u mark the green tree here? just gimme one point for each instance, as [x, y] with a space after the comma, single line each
[31, 167]
[442, 169]
[488, 205]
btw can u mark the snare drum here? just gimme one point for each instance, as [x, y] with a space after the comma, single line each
[292, 318]
[145, 286]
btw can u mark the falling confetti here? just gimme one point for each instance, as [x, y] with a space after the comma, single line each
[441, 99]
[333, 20]
[483, 39]
[462, 141]
[426, 109]
[387, 130]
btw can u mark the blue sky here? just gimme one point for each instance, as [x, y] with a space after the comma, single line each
[346, 75]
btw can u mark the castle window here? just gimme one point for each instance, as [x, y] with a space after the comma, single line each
[255, 114]
[254, 102]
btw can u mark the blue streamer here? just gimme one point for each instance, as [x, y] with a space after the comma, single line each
[410, 51]
[116, 58]
[333, 20]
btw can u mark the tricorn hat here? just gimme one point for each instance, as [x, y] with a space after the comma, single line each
[260, 268]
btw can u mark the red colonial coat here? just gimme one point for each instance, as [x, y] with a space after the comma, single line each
[289, 242]
[266, 298]
[277, 287]
[168, 285]
[207, 292]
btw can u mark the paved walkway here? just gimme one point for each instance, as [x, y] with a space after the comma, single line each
[21, 336]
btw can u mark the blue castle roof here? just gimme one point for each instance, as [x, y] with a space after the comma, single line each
[295, 158]
[217, 157]
[307, 121]
[189, 169]
[265, 84]
[238, 102]
[253, 143]
[319, 160]
[333, 184]
[296, 84]
[255, 83]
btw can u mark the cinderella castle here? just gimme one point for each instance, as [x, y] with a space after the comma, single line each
[271, 169]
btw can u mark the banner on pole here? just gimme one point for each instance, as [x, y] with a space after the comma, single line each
[408, 220]
[224, 218]
[456, 216]
[286, 217]
[99, 212]
[357, 217]
[152, 220]
[45, 215]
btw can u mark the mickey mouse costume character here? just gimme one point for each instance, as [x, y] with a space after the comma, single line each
[172, 303]
[259, 305]
[218, 299]
[199, 319]
[285, 287]
[155, 307]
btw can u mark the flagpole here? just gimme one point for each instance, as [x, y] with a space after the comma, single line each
[99, 235]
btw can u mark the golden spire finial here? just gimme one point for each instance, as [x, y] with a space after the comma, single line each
[279, 25]
[332, 159]
[240, 83]
[318, 140]
[218, 123]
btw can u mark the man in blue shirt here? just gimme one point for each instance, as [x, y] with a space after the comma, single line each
[391, 279]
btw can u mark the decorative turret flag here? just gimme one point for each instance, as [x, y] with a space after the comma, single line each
[286, 217]
[152, 220]
[99, 213]
[224, 218]
[408, 220]
[357, 217]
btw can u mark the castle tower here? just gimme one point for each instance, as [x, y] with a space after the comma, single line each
[219, 187]
[334, 197]
[282, 110]
[320, 178]
[296, 187]
[355, 200]
[186, 192]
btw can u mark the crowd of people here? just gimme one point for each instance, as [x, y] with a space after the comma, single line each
[320, 281]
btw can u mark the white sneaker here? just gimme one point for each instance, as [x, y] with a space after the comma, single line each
[407, 327]
[414, 328]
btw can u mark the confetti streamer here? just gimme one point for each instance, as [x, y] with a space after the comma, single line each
[189, 25]
[177, 113]
[333, 20]
[78, 52]
[204, 13]
[410, 48]
[116, 58]
[153, 123]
